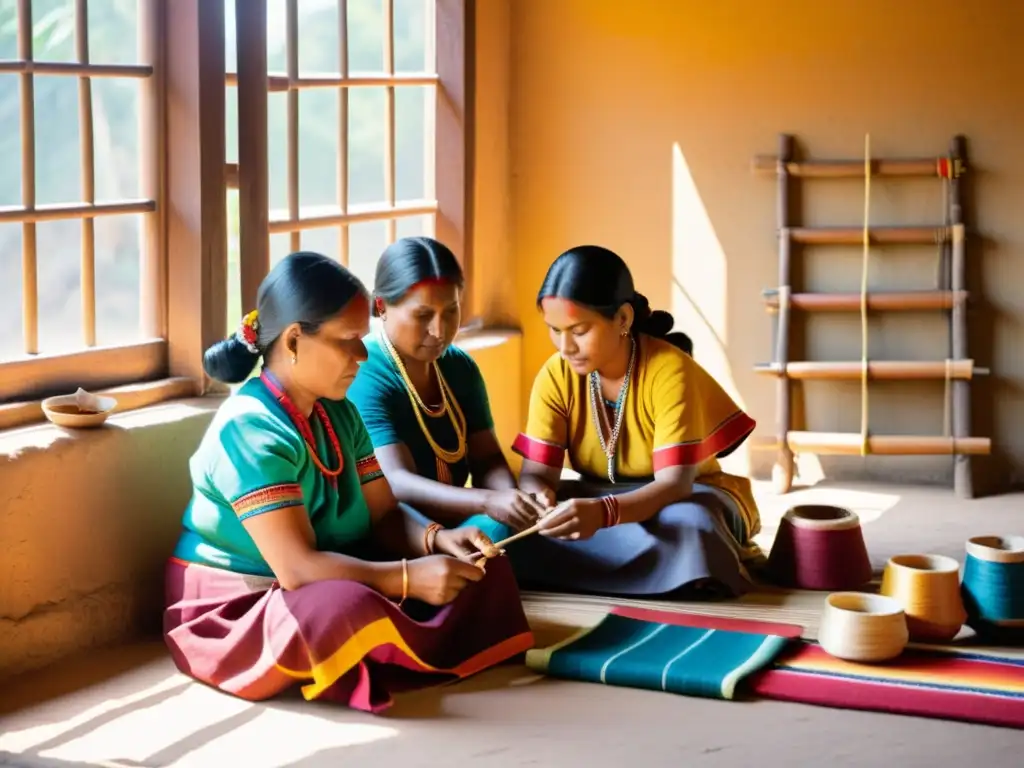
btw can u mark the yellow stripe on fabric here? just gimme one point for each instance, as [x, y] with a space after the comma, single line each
[267, 499]
[764, 654]
[538, 659]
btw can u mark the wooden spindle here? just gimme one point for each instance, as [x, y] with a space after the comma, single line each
[87, 162]
[292, 48]
[343, 233]
[253, 170]
[389, 116]
[963, 481]
[782, 472]
[29, 274]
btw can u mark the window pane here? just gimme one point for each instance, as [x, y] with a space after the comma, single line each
[366, 36]
[115, 118]
[318, 147]
[8, 31]
[59, 248]
[113, 31]
[12, 339]
[231, 124]
[58, 158]
[53, 29]
[279, 247]
[414, 226]
[277, 149]
[322, 240]
[413, 22]
[10, 139]
[118, 247]
[277, 19]
[320, 36]
[234, 300]
[230, 38]
[411, 124]
[366, 128]
[367, 241]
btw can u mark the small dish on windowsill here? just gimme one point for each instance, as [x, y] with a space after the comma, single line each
[82, 410]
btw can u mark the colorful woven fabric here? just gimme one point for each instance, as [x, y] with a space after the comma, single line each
[340, 641]
[686, 654]
[951, 685]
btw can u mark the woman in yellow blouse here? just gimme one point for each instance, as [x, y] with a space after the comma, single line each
[644, 425]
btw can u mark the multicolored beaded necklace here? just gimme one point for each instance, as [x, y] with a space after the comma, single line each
[597, 411]
[304, 427]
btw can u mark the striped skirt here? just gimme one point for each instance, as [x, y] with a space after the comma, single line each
[340, 640]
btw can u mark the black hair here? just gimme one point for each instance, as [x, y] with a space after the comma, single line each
[305, 288]
[409, 261]
[598, 278]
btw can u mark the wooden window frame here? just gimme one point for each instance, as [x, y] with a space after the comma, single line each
[184, 277]
[449, 192]
[92, 366]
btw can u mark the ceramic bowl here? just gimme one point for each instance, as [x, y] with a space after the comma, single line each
[74, 412]
[856, 626]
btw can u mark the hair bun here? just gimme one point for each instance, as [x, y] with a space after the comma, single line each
[229, 361]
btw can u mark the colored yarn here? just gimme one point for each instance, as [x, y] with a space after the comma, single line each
[820, 553]
[993, 593]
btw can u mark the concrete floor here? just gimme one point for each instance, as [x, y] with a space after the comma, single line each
[128, 706]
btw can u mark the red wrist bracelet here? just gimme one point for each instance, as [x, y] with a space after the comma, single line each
[611, 511]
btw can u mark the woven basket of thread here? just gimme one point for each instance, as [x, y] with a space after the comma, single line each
[993, 587]
[819, 547]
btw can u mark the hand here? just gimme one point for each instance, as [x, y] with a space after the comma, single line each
[465, 543]
[438, 579]
[574, 519]
[516, 509]
[545, 498]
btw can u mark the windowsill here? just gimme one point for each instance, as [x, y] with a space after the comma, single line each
[27, 416]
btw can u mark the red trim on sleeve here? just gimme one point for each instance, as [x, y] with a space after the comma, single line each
[725, 438]
[539, 451]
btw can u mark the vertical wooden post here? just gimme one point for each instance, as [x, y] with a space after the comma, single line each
[343, 233]
[153, 170]
[88, 173]
[196, 183]
[292, 51]
[29, 272]
[253, 170]
[782, 472]
[963, 480]
[389, 118]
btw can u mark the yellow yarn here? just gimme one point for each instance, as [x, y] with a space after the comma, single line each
[449, 405]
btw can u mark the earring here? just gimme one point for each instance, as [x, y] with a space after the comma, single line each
[624, 333]
[295, 358]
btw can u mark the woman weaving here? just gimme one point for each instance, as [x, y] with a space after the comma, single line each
[296, 563]
[424, 401]
[644, 425]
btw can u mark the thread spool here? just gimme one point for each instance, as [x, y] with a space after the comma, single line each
[928, 588]
[993, 587]
[860, 627]
[819, 547]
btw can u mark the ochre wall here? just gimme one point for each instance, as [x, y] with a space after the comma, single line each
[633, 125]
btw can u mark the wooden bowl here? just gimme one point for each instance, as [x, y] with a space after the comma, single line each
[856, 626]
[928, 588]
[67, 411]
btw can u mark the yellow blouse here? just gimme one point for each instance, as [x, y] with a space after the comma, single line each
[676, 414]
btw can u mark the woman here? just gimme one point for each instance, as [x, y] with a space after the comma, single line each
[644, 425]
[424, 402]
[279, 576]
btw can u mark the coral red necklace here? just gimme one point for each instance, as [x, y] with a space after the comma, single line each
[304, 427]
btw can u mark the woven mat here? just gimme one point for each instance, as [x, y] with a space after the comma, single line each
[555, 615]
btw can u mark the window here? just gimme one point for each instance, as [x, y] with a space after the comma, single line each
[80, 195]
[350, 92]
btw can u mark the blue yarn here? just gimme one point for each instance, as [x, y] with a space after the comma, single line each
[992, 592]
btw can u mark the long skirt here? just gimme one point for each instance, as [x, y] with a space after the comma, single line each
[690, 550]
[340, 640]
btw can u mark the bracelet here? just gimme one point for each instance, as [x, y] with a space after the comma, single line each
[405, 581]
[611, 511]
[428, 537]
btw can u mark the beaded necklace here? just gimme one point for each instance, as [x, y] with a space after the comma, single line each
[449, 405]
[305, 429]
[610, 445]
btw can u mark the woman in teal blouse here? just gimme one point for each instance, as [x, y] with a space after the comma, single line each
[424, 402]
[296, 564]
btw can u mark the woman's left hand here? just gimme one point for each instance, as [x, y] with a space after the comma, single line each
[465, 543]
[574, 519]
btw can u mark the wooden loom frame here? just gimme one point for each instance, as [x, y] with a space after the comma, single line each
[951, 296]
